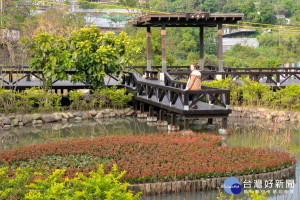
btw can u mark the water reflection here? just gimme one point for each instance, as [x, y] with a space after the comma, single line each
[37, 134]
[257, 133]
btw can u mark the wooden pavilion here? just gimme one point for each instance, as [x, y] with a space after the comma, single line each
[200, 19]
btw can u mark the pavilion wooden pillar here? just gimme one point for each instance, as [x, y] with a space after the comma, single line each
[148, 48]
[220, 43]
[163, 46]
[201, 34]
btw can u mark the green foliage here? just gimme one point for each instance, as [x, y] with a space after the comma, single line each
[27, 101]
[251, 93]
[267, 12]
[51, 55]
[112, 97]
[96, 53]
[100, 98]
[88, 51]
[264, 11]
[269, 54]
[13, 188]
[77, 99]
[38, 100]
[183, 45]
[86, 4]
[288, 98]
[25, 184]
[139, 41]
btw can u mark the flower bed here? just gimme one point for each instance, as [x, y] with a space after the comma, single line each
[149, 158]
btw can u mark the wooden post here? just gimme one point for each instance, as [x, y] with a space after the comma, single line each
[278, 79]
[148, 48]
[210, 121]
[134, 105]
[163, 46]
[224, 123]
[173, 119]
[227, 100]
[186, 124]
[186, 101]
[151, 111]
[28, 78]
[10, 77]
[142, 108]
[220, 43]
[201, 34]
[161, 115]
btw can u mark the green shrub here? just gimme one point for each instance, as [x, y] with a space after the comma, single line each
[25, 184]
[34, 99]
[251, 93]
[113, 97]
[38, 100]
[288, 98]
[77, 100]
[7, 99]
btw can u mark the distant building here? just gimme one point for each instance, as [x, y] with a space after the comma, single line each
[232, 37]
[228, 43]
[104, 23]
[237, 33]
[283, 19]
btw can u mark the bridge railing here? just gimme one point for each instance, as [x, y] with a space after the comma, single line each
[276, 77]
[260, 69]
[10, 76]
[139, 69]
[175, 93]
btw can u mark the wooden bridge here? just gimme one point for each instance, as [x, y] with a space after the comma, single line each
[275, 77]
[168, 95]
[21, 77]
[171, 96]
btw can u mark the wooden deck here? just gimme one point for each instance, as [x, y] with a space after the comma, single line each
[170, 96]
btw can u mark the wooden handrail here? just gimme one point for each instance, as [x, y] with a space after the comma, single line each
[130, 79]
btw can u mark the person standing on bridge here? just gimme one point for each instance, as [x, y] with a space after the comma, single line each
[194, 82]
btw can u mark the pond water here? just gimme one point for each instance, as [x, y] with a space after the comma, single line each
[245, 132]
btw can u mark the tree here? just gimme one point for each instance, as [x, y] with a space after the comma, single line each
[54, 22]
[88, 51]
[95, 54]
[210, 6]
[51, 54]
[139, 41]
[12, 16]
[267, 13]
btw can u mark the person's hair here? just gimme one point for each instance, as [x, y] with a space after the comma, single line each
[195, 64]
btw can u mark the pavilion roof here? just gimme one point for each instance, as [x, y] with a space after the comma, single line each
[186, 19]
